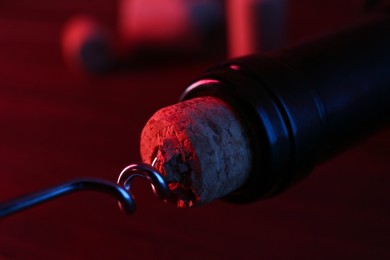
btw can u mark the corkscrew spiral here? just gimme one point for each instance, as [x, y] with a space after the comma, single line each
[120, 191]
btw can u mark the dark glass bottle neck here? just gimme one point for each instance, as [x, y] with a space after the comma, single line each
[304, 105]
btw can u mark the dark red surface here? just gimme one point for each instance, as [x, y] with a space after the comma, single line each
[55, 126]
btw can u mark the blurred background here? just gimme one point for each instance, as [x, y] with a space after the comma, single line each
[79, 79]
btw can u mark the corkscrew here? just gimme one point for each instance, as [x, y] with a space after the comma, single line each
[120, 190]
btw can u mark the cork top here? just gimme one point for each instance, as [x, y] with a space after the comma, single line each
[200, 147]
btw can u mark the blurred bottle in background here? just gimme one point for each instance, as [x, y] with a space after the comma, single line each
[255, 26]
[149, 31]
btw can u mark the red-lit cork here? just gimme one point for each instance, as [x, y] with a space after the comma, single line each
[200, 147]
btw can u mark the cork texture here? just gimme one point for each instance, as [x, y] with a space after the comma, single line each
[200, 147]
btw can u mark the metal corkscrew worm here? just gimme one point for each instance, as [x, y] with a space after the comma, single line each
[157, 182]
[121, 190]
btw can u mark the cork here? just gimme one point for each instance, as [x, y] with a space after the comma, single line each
[200, 147]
